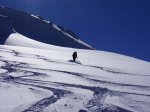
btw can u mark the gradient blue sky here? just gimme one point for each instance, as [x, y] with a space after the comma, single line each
[121, 26]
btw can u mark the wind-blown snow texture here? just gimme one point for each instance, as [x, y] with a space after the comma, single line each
[34, 80]
[35, 27]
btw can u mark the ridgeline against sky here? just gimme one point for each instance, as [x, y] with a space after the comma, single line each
[117, 26]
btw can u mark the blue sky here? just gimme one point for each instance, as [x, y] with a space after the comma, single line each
[121, 26]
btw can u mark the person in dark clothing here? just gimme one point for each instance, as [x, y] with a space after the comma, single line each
[74, 56]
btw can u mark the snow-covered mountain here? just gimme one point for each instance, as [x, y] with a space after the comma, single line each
[35, 27]
[39, 77]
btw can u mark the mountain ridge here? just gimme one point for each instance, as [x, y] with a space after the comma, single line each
[35, 27]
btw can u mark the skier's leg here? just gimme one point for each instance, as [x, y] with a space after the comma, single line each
[74, 59]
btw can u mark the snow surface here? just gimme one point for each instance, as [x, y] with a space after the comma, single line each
[35, 16]
[37, 77]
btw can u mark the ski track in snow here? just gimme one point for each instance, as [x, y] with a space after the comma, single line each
[95, 104]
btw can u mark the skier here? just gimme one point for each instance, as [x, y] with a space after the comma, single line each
[74, 56]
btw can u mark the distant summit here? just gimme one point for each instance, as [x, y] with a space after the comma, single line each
[37, 28]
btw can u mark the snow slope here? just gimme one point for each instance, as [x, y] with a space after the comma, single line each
[40, 80]
[39, 76]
